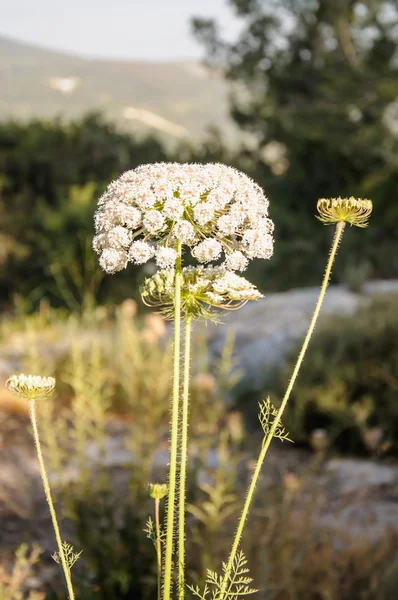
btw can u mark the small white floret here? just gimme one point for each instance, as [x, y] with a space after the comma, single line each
[166, 257]
[153, 221]
[207, 251]
[140, 252]
[112, 260]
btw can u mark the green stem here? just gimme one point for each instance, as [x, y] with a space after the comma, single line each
[183, 464]
[47, 491]
[174, 433]
[336, 241]
[158, 546]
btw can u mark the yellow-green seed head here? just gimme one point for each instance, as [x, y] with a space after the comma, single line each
[158, 490]
[31, 387]
[354, 211]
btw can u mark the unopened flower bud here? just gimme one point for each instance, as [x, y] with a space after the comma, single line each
[157, 491]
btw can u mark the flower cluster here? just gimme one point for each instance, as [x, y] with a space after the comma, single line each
[201, 288]
[215, 210]
[355, 211]
[157, 491]
[31, 387]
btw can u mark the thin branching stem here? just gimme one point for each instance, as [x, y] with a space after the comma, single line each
[184, 458]
[336, 241]
[158, 546]
[47, 491]
[167, 581]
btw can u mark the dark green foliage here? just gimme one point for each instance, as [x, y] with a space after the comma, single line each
[50, 178]
[348, 383]
[117, 562]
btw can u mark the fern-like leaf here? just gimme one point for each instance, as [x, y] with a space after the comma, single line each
[196, 591]
[238, 583]
[150, 530]
[70, 555]
[267, 416]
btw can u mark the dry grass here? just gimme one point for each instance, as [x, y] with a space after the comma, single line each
[13, 577]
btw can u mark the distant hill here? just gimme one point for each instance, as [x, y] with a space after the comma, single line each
[179, 99]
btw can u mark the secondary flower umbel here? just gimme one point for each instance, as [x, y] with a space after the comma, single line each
[355, 211]
[213, 209]
[202, 288]
[31, 387]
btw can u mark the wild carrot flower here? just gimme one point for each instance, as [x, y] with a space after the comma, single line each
[215, 210]
[158, 211]
[157, 491]
[31, 387]
[354, 211]
[202, 288]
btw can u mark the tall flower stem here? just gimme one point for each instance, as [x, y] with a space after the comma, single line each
[336, 241]
[47, 491]
[158, 546]
[168, 564]
[183, 458]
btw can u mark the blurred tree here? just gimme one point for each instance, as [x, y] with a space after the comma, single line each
[51, 175]
[316, 87]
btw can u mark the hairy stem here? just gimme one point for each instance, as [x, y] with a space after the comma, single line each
[47, 491]
[184, 457]
[336, 241]
[158, 546]
[167, 581]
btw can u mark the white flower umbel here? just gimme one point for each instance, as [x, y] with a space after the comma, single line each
[31, 387]
[215, 210]
[202, 288]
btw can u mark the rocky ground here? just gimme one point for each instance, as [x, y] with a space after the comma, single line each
[266, 330]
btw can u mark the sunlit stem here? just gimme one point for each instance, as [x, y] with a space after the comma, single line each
[158, 546]
[184, 458]
[336, 241]
[47, 491]
[168, 564]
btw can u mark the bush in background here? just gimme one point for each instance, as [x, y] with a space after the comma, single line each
[348, 384]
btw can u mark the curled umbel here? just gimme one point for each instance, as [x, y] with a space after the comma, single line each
[354, 211]
[217, 212]
[202, 289]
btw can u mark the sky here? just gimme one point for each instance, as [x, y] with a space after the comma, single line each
[130, 29]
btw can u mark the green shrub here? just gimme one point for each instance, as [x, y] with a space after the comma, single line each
[348, 383]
